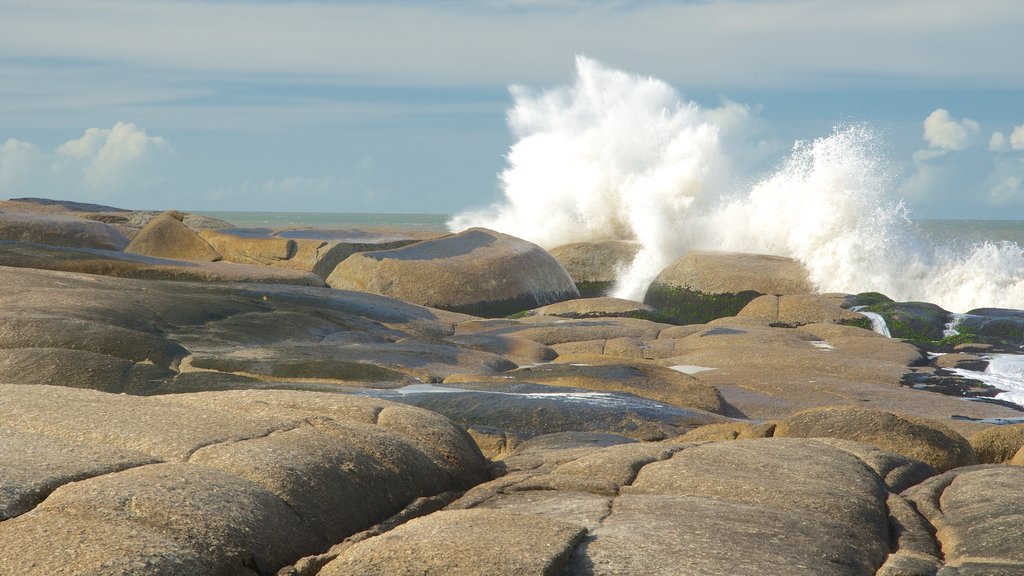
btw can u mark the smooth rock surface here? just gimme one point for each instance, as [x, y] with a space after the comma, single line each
[59, 230]
[477, 271]
[165, 236]
[595, 266]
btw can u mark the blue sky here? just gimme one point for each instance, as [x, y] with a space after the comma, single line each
[400, 106]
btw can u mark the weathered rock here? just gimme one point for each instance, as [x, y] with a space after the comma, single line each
[167, 237]
[702, 286]
[603, 307]
[998, 326]
[961, 361]
[595, 266]
[645, 380]
[251, 481]
[59, 230]
[529, 410]
[921, 321]
[478, 272]
[729, 431]
[930, 442]
[464, 542]
[998, 444]
[120, 264]
[978, 518]
[549, 330]
[799, 309]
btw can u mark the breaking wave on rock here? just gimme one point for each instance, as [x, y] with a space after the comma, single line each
[615, 156]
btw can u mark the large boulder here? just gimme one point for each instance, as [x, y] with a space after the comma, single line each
[477, 272]
[998, 444]
[918, 321]
[59, 230]
[702, 286]
[1000, 326]
[598, 307]
[799, 309]
[167, 237]
[596, 266]
[927, 441]
[215, 483]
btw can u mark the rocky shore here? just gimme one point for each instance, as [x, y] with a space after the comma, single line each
[182, 397]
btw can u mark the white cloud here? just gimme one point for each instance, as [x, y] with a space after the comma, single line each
[1017, 138]
[97, 166]
[943, 132]
[998, 142]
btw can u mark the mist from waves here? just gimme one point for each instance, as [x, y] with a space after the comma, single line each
[615, 156]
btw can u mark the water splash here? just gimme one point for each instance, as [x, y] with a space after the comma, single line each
[618, 156]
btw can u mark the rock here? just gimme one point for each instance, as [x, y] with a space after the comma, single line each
[249, 245]
[920, 321]
[978, 518]
[596, 266]
[529, 410]
[519, 350]
[603, 307]
[930, 442]
[702, 286]
[550, 331]
[961, 361]
[644, 380]
[684, 508]
[59, 230]
[167, 237]
[79, 369]
[799, 309]
[467, 542]
[250, 481]
[998, 444]
[999, 326]
[477, 272]
[729, 431]
[120, 264]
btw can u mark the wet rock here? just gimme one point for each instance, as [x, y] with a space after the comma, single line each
[998, 326]
[920, 321]
[165, 236]
[602, 307]
[645, 380]
[702, 286]
[477, 272]
[596, 266]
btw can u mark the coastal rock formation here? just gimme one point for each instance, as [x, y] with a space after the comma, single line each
[999, 326]
[167, 237]
[601, 505]
[702, 286]
[477, 271]
[595, 266]
[921, 321]
[215, 483]
[799, 309]
[998, 444]
[124, 265]
[59, 230]
[316, 251]
[917, 438]
[602, 307]
[977, 516]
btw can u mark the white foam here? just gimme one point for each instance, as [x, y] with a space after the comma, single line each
[690, 369]
[1005, 372]
[878, 323]
[821, 344]
[618, 156]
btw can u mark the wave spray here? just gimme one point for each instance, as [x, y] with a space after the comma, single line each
[617, 156]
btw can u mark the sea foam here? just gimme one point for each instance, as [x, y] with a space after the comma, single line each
[619, 156]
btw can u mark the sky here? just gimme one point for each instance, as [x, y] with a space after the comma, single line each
[401, 106]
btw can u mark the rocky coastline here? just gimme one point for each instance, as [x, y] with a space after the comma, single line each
[178, 396]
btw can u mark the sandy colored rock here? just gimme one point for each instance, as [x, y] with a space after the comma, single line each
[798, 309]
[124, 265]
[998, 444]
[601, 307]
[467, 542]
[595, 266]
[930, 442]
[978, 518]
[59, 230]
[478, 271]
[250, 481]
[249, 246]
[550, 331]
[644, 380]
[729, 431]
[167, 237]
[701, 286]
